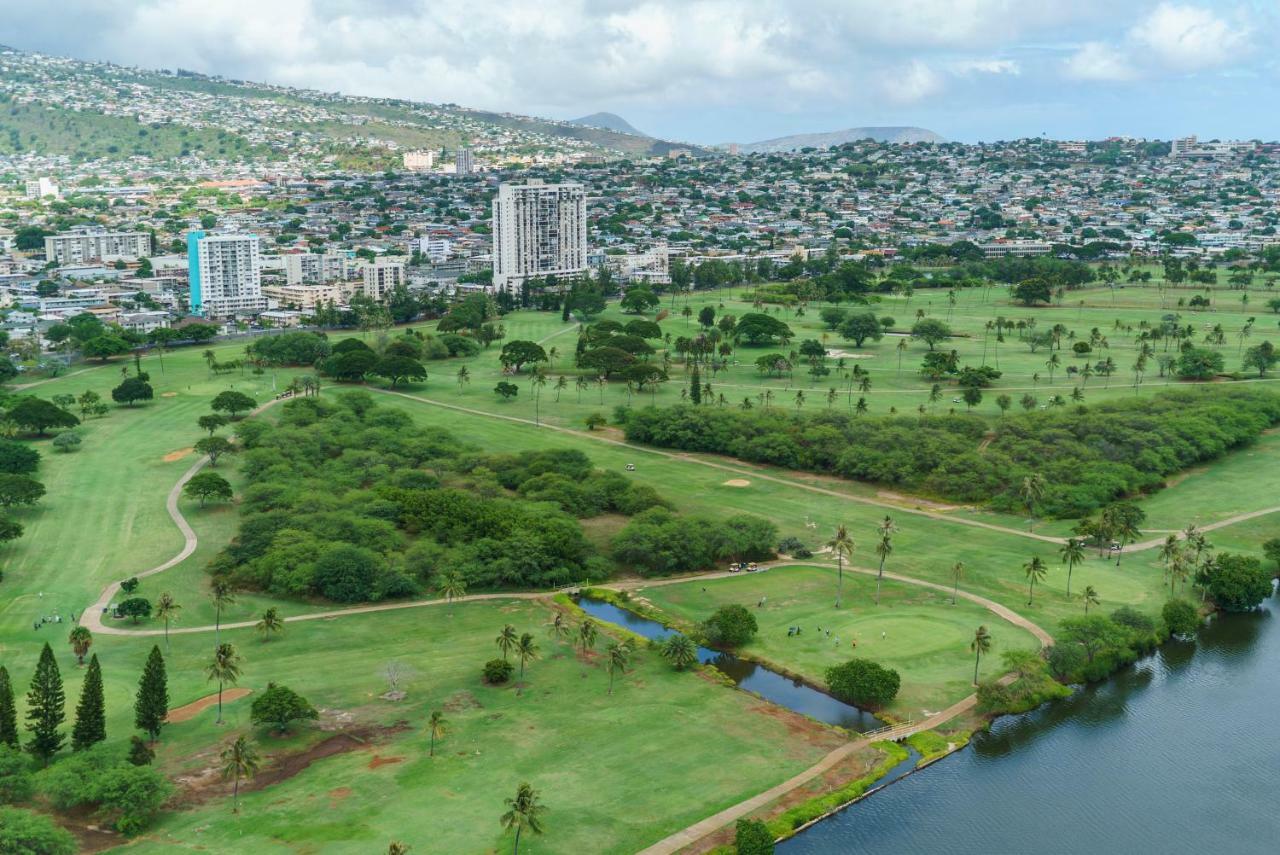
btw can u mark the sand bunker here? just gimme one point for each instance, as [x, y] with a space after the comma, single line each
[194, 708]
[168, 394]
[177, 455]
[737, 482]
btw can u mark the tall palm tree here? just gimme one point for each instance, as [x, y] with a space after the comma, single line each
[1032, 491]
[979, 647]
[842, 545]
[527, 650]
[453, 585]
[240, 760]
[436, 727]
[884, 549]
[587, 635]
[222, 595]
[225, 668]
[167, 609]
[1178, 571]
[507, 640]
[270, 623]
[539, 381]
[525, 811]
[80, 640]
[1072, 553]
[1169, 549]
[557, 627]
[1090, 598]
[1035, 571]
[957, 573]
[464, 377]
[619, 654]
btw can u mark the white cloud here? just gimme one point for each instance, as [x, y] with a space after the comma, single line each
[1099, 61]
[986, 66]
[1189, 38]
[911, 83]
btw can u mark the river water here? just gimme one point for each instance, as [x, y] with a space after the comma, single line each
[1178, 754]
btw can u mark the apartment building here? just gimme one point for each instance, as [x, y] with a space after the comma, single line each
[308, 298]
[225, 274]
[464, 161]
[539, 230]
[419, 161]
[81, 245]
[381, 278]
[316, 269]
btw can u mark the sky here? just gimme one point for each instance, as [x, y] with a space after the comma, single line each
[714, 71]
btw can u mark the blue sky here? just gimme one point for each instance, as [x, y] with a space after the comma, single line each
[729, 70]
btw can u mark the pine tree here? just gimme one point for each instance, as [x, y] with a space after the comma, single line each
[91, 713]
[46, 704]
[695, 387]
[153, 696]
[8, 713]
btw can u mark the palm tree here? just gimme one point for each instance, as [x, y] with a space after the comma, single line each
[222, 596]
[1178, 571]
[957, 573]
[1169, 549]
[464, 377]
[1032, 491]
[507, 640]
[1090, 598]
[619, 654]
[80, 640]
[167, 609]
[979, 647]
[270, 623]
[225, 668]
[1072, 553]
[453, 585]
[398, 848]
[679, 651]
[539, 381]
[527, 650]
[524, 811]
[884, 549]
[1035, 571]
[239, 761]
[436, 726]
[562, 383]
[842, 545]
[557, 628]
[587, 635]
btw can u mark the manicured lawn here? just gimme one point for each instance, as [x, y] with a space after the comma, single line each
[914, 630]
[615, 772]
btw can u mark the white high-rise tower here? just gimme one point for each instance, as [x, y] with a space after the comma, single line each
[539, 230]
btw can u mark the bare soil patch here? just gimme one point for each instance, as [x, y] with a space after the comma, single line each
[90, 837]
[915, 501]
[462, 701]
[378, 762]
[193, 709]
[177, 455]
[168, 394]
[737, 482]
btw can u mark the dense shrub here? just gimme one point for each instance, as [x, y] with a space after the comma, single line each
[657, 542]
[125, 795]
[498, 671]
[1087, 456]
[752, 837]
[290, 348]
[1032, 685]
[25, 832]
[1236, 583]
[17, 458]
[864, 683]
[15, 775]
[730, 626]
[1181, 617]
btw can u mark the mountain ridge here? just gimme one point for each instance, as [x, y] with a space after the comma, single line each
[609, 122]
[827, 139]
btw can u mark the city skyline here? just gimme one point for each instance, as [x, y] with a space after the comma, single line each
[708, 72]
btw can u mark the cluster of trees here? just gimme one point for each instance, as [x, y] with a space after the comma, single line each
[863, 683]
[352, 502]
[1084, 458]
[611, 349]
[659, 542]
[352, 360]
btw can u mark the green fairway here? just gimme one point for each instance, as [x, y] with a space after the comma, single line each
[615, 772]
[914, 630]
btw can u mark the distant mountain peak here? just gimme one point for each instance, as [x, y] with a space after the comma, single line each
[828, 139]
[608, 122]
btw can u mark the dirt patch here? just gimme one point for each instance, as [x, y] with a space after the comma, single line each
[462, 701]
[168, 394]
[177, 455]
[90, 838]
[193, 709]
[378, 762]
[915, 501]
[737, 482]
[337, 794]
